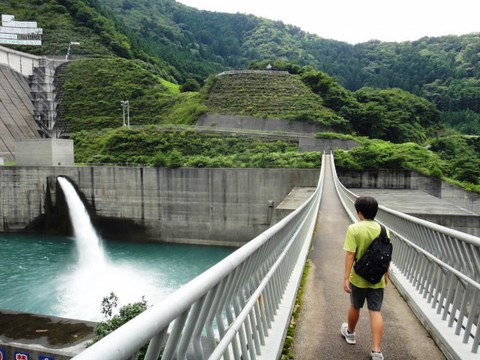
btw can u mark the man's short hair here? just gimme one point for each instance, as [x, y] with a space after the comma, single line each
[368, 206]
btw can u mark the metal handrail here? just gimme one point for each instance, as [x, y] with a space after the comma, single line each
[439, 269]
[230, 310]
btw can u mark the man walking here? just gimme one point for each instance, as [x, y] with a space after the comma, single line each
[358, 238]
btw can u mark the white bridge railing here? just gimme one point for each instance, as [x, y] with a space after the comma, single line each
[438, 270]
[238, 309]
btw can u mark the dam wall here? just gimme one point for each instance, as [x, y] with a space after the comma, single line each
[16, 112]
[189, 205]
[185, 205]
[18, 61]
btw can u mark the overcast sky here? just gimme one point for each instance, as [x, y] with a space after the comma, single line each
[357, 21]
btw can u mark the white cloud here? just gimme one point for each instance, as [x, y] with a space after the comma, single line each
[361, 20]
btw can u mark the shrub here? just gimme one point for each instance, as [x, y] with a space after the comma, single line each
[174, 159]
[113, 322]
[159, 160]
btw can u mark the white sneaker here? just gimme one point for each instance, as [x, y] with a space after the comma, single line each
[376, 356]
[349, 337]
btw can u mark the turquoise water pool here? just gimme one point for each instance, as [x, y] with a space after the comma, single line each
[43, 275]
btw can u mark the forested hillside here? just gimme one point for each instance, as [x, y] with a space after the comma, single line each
[85, 21]
[445, 70]
[93, 88]
[162, 57]
[274, 95]
[183, 43]
[69, 20]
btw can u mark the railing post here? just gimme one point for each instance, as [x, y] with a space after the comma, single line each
[155, 346]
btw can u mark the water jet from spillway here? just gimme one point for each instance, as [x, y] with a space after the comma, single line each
[95, 276]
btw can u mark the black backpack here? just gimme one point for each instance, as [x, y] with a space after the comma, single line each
[375, 261]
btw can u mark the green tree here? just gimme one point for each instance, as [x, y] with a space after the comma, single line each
[190, 85]
[397, 115]
[114, 321]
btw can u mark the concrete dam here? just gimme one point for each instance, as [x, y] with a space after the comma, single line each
[225, 207]
[16, 112]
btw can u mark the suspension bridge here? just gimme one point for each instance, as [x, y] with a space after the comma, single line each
[240, 308]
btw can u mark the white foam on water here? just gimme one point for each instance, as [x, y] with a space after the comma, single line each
[83, 286]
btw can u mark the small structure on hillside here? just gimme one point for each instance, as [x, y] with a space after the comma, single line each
[44, 152]
[14, 32]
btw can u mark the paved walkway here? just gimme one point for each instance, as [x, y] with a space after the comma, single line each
[325, 303]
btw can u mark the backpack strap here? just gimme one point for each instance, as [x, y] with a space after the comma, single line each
[383, 233]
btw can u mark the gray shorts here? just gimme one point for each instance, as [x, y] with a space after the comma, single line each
[374, 298]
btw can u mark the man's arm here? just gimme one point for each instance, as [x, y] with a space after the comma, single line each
[349, 259]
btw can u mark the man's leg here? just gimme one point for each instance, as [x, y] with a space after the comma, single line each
[353, 315]
[376, 321]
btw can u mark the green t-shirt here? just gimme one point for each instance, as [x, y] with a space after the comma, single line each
[358, 238]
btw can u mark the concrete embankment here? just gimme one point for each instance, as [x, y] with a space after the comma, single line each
[202, 206]
[40, 336]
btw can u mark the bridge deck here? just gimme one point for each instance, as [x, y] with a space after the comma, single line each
[325, 303]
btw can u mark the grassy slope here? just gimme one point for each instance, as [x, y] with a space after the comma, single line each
[156, 147]
[93, 89]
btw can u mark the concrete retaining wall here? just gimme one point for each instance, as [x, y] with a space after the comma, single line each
[327, 145]
[302, 131]
[44, 152]
[188, 205]
[467, 224]
[407, 179]
[217, 121]
[465, 199]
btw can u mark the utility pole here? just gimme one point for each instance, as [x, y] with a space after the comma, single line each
[128, 114]
[69, 47]
[126, 105]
